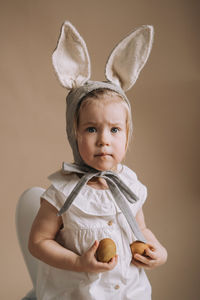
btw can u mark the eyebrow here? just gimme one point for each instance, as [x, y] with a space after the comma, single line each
[91, 123]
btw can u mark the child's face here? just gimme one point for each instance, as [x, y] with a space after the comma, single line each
[102, 133]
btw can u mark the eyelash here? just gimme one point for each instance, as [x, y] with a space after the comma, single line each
[93, 129]
[115, 129]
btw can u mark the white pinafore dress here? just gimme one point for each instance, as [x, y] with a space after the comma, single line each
[92, 216]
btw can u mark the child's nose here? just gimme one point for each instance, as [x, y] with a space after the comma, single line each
[103, 138]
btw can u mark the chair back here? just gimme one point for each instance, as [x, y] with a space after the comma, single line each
[26, 210]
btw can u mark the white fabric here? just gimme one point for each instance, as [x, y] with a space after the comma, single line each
[94, 216]
[129, 57]
[26, 210]
[71, 59]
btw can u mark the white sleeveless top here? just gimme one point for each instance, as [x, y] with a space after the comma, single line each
[94, 215]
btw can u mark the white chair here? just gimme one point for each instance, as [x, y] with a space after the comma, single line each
[26, 210]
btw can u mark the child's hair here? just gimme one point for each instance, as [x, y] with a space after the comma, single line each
[102, 93]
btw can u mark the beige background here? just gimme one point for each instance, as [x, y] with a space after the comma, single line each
[165, 101]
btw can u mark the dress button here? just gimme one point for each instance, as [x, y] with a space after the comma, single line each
[110, 223]
[117, 286]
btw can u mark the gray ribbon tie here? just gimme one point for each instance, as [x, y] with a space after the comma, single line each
[120, 191]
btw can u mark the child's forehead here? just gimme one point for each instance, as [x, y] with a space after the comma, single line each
[103, 111]
[102, 100]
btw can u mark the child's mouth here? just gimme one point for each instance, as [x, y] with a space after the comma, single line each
[103, 154]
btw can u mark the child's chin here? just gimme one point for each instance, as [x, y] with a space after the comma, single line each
[106, 167]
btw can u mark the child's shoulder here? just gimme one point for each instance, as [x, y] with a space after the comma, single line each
[59, 180]
[127, 173]
[131, 180]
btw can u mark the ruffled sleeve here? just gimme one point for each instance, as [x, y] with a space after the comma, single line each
[130, 178]
[53, 196]
[60, 188]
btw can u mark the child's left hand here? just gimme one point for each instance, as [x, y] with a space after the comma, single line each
[156, 256]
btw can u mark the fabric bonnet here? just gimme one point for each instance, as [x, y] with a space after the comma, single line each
[71, 62]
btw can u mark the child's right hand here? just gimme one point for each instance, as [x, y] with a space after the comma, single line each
[88, 262]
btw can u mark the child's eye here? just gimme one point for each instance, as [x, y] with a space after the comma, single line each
[114, 129]
[91, 129]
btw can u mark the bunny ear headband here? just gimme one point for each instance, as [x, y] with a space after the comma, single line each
[72, 65]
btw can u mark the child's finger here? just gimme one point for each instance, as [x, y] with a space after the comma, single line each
[142, 259]
[93, 248]
[110, 265]
[143, 262]
[138, 257]
[137, 263]
[141, 265]
[150, 253]
[113, 261]
[151, 247]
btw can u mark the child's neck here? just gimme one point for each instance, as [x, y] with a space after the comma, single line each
[98, 183]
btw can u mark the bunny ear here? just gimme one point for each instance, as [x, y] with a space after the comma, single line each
[129, 57]
[71, 59]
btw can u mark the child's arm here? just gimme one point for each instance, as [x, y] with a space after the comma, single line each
[157, 256]
[42, 245]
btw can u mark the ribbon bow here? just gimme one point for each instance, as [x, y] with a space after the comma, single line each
[120, 191]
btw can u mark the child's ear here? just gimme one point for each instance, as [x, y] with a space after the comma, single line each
[71, 59]
[129, 57]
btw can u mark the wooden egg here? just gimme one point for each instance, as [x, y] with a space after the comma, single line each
[106, 250]
[139, 247]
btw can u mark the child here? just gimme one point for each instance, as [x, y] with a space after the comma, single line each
[96, 197]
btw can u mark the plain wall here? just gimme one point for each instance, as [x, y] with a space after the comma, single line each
[165, 100]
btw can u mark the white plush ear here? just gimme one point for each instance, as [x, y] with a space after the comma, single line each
[129, 57]
[71, 59]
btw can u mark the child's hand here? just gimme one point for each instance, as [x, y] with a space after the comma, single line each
[88, 263]
[156, 256]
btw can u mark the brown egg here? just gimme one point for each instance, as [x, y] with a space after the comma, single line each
[139, 247]
[106, 250]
